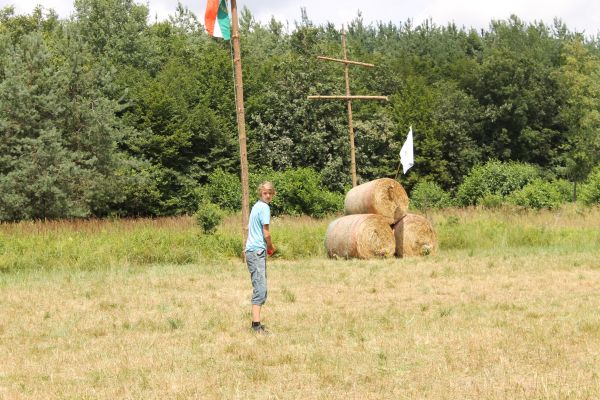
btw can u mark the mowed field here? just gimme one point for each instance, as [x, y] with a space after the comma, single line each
[508, 309]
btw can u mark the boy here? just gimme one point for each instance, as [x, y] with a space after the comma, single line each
[258, 245]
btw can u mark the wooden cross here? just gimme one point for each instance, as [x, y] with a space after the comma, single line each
[348, 98]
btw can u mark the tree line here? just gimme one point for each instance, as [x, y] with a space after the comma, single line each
[109, 112]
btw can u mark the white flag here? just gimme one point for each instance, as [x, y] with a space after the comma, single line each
[407, 157]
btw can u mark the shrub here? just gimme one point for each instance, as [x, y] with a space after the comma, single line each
[496, 178]
[299, 191]
[537, 194]
[209, 216]
[428, 194]
[590, 191]
[491, 200]
[565, 188]
[223, 189]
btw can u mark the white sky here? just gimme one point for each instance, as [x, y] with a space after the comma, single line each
[579, 15]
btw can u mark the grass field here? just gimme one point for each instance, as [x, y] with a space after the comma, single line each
[509, 309]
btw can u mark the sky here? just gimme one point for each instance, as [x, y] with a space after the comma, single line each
[579, 15]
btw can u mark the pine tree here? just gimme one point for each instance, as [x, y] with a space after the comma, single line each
[58, 132]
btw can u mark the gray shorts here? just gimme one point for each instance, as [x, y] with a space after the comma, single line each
[257, 265]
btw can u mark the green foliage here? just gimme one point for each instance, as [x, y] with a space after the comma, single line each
[579, 81]
[517, 88]
[445, 122]
[208, 217]
[537, 194]
[112, 28]
[17, 26]
[291, 131]
[223, 189]
[140, 184]
[60, 133]
[590, 192]
[565, 189]
[299, 191]
[428, 194]
[496, 178]
[490, 200]
[375, 137]
[111, 113]
[44, 186]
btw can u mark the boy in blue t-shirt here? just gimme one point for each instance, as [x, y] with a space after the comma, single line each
[258, 245]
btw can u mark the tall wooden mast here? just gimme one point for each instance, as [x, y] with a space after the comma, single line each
[241, 118]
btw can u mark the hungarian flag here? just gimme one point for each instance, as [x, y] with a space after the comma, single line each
[216, 19]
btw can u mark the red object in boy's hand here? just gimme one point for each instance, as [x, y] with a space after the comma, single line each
[270, 252]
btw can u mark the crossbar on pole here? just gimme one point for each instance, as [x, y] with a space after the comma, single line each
[385, 98]
[346, 61]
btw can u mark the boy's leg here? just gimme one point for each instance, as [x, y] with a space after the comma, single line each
[256, 313]
[258, 274]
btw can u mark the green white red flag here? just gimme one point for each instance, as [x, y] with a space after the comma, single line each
[216, 19]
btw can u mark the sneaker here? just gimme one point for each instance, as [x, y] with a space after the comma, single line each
[261, 329]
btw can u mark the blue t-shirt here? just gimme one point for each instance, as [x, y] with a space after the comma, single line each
[259, 216]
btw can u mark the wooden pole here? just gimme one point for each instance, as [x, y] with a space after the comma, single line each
[241, 119]
[350, 127]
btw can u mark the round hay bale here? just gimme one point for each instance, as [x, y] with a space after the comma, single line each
[385, 197]
[360, 236]
[415, 236]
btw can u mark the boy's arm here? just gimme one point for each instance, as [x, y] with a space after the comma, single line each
[267, 236]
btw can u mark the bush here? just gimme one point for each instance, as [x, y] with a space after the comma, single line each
[299, 192]
[590, 191]
[538, 194]
[565, 188]
[223, 189]
[209, 216]
[491, 200]
[149, 190]
[496, 178]
[428, 194]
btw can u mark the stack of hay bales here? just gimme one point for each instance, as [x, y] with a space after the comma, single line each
[377, 224]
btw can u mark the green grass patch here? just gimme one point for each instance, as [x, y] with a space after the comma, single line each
[102, 244]
[504, 230]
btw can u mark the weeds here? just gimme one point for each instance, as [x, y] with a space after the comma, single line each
[109, 244]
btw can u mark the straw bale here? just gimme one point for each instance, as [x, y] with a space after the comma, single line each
[360, 236]
[415, 236]
[385, 197]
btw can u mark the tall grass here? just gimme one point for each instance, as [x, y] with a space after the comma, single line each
[565, 230]
[98, 244]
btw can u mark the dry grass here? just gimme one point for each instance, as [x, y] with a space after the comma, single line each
[93, 225]
[447, 327]
[508, 309]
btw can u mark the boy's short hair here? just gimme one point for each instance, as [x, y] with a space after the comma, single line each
[266, 185]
